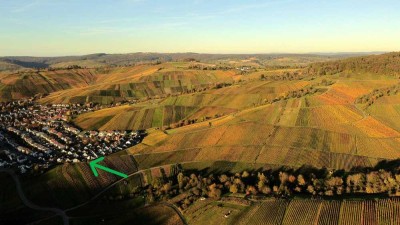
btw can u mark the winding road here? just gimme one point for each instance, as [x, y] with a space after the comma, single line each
[32, 205]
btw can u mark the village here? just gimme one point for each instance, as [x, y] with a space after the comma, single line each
[34, 137]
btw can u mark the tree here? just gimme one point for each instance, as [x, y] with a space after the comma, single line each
[300, 180]
[311, 190]
[223, 178]
[167, 188]
[251, 190]
[215, 192]
[157, 183]
[292, 178]
[239, 183]
[187, 202]
[196, 191]
[233, 189]
[180, 178]
[275, 189]
[283, 177]
[266, 190]
[260, 185]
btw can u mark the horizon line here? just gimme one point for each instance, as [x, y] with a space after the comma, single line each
[207, 53]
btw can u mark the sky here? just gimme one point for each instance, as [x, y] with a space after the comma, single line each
[77, 27]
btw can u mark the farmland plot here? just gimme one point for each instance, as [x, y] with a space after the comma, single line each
[374, 128]
[270, 212]
[302, 212]
[329, 214]
[351, 213]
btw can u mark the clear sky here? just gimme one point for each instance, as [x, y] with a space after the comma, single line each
[74, 27]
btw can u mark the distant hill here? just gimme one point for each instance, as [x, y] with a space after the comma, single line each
[7, 66]
[29, 83]
[388, 64]
[141, 82]
[102, 59]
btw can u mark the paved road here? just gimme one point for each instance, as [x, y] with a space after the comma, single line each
[30, 204]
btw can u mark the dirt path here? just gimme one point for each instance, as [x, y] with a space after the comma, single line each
[364, 114]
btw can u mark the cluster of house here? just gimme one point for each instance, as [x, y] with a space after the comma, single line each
[34, 136]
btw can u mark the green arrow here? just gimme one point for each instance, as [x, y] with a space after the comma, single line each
[93, 165]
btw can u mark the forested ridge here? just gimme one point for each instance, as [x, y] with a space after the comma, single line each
[388, 64]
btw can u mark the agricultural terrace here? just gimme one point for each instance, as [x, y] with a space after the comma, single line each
[324, 129]
[194, 107]
[142, 82]
[27, 84]
[349, 212]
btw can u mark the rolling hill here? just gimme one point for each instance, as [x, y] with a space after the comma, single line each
[338, 117]
[11, 63]
[120, 71]
[277, 122]
[30, 83]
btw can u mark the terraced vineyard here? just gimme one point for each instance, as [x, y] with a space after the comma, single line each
[325, 129]
[141, 82]
[276, 212]
[193, 106]
[272, 145]
[27, 84]
[329, 213]
[321, 212]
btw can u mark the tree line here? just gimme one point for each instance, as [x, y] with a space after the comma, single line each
[370, 98]
[387, 64]
[187, 187]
